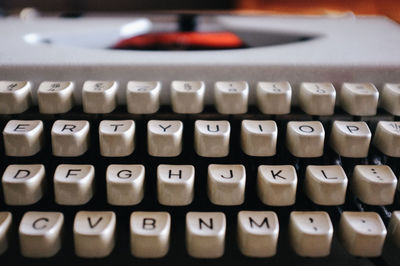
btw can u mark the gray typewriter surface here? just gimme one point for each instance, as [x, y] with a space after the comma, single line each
[283, 150]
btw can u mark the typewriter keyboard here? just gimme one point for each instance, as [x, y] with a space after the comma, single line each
[193, 183]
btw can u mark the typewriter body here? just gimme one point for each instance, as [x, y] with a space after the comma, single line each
[281, 152]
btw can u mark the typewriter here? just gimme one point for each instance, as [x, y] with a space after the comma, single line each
[282, 148]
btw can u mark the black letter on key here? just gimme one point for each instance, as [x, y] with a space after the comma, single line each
[265, 221]
[210, 226]
[25, 172]
[164, 128]
[216, 128]
[95, 224]
[149, 223]
[21, 127]
[69, 173]
[306, 128]
[353, 128]
[34, 225]
[323, 173]
[228, 177]
[126, 176]
[170, 174]
[116, 126]
[275, 175]
[69, 127]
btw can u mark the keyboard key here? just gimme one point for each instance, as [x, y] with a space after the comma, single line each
[23, 184]
[258, 137]
[387, 138]
[175, 184]
[117, 137]
[23, 137]
[231, 97]
[326, 184]
[258, 233]
[226, 184]
[99, 97]
[317, 98]
[274, 98]
[362, 233]
[394, 228]
[391, 98]
[40, 234]
[374, 184]
[55, 97]
[164, 138]
[15, 96]
[277, 184]
[350, 139]
[205, 234]
[143, 97]
[359, 98]
[310, 233]
[94, 233]
[211, 138]
[150, 233]
[125, 184]
[5, 225]
[305, 139]
[70, 138]
[187, 97]
[73, 184]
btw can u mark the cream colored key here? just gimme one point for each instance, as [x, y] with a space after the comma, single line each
[359, 98]
[150, 233]
[305, 139]
[387, 138]
[258, 233]
[187, 97]
[231, 97]
[226, 184]
[276, 184]
[394, 228]
[211, 138]
[326, 184]
[73, 184]
[117, 137]
[258, 137]
[99, 97]
[164, 138]
[362, 233]
[175, 184]
[350, 139]
[390, 96]
[274, 98]
[94, 233]
[40, 234]
[15, 96]
[143, 97]
[310, 233]
[374, 184]
[55, 97]
[317, 98]
[70, 138]
[23, 184]
[5, 225]
[205, 234]
[23, 137]
[125, 184]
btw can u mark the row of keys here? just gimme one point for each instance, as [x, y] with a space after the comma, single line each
[304, 139]
[187, 97]
[276, 184]
[310, 233]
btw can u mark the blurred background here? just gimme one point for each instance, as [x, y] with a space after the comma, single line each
[390, 8]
